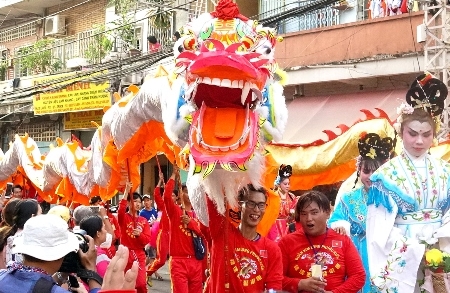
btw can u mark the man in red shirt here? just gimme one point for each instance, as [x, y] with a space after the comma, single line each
[185, 269]
[316, 258]
[135, 235]
[241, 259]
[162, 240]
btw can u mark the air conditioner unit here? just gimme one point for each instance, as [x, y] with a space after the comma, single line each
[55, 25]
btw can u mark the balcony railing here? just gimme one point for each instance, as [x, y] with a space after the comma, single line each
[341, 11]
[78, 46]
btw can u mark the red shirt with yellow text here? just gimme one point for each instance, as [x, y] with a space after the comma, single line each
[341, 264]
[181, 243]
[247, 266]
[127, 223]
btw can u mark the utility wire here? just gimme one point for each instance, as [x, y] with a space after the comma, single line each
[114, 70]
[42, 18]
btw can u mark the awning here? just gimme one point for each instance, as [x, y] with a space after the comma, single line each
[310, 116]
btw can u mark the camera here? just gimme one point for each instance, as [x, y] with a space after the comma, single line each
[71, 262]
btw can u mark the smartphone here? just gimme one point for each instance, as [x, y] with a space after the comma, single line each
[9, 190]
[95, 209]
[73, 282]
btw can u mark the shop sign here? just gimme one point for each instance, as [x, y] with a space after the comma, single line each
[78, 96]
[82, 120]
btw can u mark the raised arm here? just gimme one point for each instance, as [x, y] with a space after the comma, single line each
[216, 220]
[169, 205]
[123, 204]
[157, 193]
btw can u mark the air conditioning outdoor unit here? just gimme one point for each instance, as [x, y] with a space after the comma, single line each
[55, 25]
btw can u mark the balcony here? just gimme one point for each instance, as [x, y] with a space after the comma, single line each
[85, 49]
[380, 38]
[293, 15]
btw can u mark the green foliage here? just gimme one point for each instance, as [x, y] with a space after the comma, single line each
[161, 19]
[125, 22]
[38, 58]
[99, 47]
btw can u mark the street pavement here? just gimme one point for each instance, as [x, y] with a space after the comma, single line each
[161, 286]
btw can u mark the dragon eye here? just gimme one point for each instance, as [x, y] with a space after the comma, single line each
[268, 50]
[180, 48]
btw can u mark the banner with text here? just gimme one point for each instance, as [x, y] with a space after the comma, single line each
[79, 96]
[82, 120]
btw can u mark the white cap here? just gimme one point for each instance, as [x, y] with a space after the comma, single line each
[46, 237]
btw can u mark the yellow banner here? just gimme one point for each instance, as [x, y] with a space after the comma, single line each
[82, 120]
[79, 96]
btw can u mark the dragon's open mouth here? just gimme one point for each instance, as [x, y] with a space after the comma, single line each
[225, 127]
[226, 87]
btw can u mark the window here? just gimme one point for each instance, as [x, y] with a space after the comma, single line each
[138, 39]
[43, 131]
[21, 31]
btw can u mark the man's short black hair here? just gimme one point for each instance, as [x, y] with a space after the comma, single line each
[18, 186]
[95, 199]
[309, 197]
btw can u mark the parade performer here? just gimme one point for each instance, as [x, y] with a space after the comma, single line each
[349, 215]
[185, 269]
[288, 202]
[242, 260]
[135, 235]
[318, 259]
[409, 194]
[162, 240]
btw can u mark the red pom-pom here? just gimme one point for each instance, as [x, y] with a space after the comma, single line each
[226, 9]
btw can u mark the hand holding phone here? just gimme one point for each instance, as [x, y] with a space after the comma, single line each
[9, 190]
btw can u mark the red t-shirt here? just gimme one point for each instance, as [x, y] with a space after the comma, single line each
[164, 222]
[181, 243]
[127, 224]
[253, 266]
[342, 269]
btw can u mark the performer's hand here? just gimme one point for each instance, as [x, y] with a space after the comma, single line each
[137, 231]
[161, 179]
[340, 230]
[312, 285]
[175, 172]
[185, 219]
[128, 187]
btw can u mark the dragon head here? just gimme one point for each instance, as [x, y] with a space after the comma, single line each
[228, 94]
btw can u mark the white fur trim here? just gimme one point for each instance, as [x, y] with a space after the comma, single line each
[341, 223]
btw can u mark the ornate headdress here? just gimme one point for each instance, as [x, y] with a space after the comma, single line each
[285, 171]
[428, 93]
[372, 146]
[375, 149]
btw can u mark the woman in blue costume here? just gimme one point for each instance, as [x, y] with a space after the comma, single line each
[349, 216]
[409, 193]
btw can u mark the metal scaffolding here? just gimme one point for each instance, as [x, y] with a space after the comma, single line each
[436, 50]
